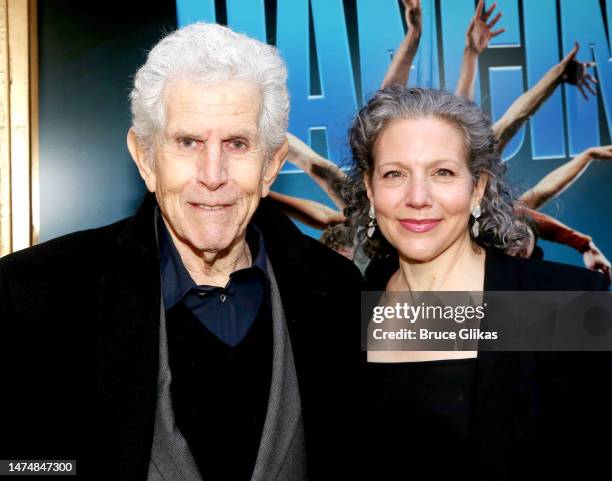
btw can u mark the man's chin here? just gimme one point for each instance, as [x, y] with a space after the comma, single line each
[212, 244]
[212, 248]
[211, 241]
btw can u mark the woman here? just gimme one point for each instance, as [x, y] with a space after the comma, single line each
[427, 195]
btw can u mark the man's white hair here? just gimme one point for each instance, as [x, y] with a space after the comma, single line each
[210, 53]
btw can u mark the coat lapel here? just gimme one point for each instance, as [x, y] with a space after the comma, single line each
[304, 289]
[171, 458]
[497, 399]
[284, 407]
[127, 348]
[494, 410]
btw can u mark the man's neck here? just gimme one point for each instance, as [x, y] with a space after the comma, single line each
[214, 268]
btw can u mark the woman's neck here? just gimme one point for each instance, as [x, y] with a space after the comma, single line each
[458, 268]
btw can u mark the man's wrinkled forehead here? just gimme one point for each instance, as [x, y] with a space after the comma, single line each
[194, 105]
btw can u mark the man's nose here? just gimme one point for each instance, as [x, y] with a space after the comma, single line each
[212, 171]
[418, 193]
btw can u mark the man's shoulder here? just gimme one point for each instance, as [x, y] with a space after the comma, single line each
[290, 249]
[70, 251]
[329, 261]
[326, 267]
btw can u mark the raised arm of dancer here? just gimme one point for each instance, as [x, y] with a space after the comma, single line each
[568, 70]
[555, 231]
[324, 172]
[477, 38]
[562, 177]
[399, 70]
[594, 259]
[307, 211]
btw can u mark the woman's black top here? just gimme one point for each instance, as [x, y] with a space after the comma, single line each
[418, 414]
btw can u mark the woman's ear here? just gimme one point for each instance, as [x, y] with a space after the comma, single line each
[367, 180]
[480, 188]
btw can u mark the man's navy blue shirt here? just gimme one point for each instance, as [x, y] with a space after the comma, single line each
[228, 312]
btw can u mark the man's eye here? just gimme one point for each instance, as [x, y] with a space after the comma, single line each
[236, 145]
[188, 143]
[444, 173]
[391, 174]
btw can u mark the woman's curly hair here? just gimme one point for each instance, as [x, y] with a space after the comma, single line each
[497, 227]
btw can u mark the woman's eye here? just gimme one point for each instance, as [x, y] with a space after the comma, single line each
[392, 173]
[444, 173]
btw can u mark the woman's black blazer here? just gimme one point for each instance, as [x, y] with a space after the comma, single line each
[535, 414]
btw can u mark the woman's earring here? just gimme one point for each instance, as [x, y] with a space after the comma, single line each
[476, 213]
[372, 224]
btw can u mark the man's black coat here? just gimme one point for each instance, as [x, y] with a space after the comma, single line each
[79, 326]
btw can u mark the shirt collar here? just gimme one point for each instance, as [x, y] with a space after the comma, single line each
[176, 281]
[255, 241]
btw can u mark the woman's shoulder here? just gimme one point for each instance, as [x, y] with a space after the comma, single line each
[504, 272]
[379, 271]
[507, 273]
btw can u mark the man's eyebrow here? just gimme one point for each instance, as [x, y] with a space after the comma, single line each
[248, 133]
[180, 133]
[239, 132]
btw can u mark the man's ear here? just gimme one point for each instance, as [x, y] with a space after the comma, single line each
[138, 153]
[480, 187]
[273, 167]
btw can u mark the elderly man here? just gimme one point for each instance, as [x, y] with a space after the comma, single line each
[199, 339]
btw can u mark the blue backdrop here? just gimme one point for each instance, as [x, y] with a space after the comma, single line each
[337, 52]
